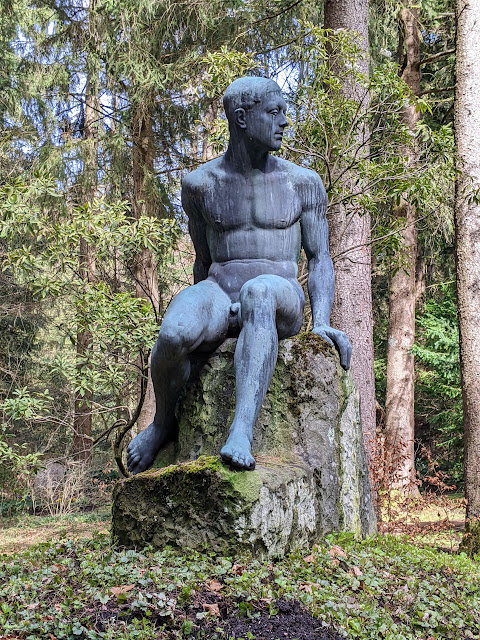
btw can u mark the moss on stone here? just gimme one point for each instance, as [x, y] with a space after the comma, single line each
[300, 486]
[167, 456]
[202, 504]
[309, 342]
[244, 483]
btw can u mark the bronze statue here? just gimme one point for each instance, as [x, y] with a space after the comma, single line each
[249, 214]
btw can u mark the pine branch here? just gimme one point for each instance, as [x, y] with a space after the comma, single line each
[436, 57]
[427, 91]
[279, 13]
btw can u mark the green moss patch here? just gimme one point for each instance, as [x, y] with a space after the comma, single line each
[201, 504]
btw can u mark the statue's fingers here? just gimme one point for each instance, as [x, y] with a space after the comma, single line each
[325, 337]
[342, 345]
[345, 351]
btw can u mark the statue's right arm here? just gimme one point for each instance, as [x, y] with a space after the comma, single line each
[197, 227]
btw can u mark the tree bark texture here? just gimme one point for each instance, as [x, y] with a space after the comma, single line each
[82, 420]
[400, 393]
[208, 153]
[349, 238]
[144, 203]
[467, 231]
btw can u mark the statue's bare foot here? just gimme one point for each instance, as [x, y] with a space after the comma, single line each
[143, 448]
[237, 451]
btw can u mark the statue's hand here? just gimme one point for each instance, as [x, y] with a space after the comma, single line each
[339, 340]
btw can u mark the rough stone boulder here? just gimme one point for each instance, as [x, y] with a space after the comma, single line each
[311, 476]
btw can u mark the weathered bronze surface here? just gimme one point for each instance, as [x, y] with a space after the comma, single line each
[249, 215]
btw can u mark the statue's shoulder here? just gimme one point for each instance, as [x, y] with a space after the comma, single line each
[202, 178]
[300, 176]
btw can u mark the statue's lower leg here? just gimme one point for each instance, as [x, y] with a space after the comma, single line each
[255, 359]
[169, 377]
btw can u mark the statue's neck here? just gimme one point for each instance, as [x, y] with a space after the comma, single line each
[245, 157]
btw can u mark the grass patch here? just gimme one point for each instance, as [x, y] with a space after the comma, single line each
[431, 519]
[23, 531]
[381, 588]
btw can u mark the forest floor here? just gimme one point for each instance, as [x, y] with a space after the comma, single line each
[60, 578]
[436, 520]
[21, 532]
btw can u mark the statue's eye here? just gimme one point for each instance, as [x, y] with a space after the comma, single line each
[274, 112]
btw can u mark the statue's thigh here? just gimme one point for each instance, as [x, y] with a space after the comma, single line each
[199, 313]
[290, 303]
[287, 297]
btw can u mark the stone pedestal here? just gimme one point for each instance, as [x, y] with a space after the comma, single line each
[311, 476]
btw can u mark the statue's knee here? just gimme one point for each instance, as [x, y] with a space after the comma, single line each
[170, 344]
[255, 294]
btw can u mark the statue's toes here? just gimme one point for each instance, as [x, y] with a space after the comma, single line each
[132, 462]
[138, 467]
[226, 453]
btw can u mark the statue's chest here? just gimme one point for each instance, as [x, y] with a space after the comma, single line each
[263, 203]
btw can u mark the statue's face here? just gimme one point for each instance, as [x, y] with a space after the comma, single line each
[266, 121]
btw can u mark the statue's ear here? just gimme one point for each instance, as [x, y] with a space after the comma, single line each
[240, 118]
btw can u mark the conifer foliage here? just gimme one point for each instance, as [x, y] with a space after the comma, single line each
[106, 104]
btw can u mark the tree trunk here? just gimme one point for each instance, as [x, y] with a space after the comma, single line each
[467, 232]
[400, 395]
[352, 305]
[207, 151]
[144, 203]
[82, 420]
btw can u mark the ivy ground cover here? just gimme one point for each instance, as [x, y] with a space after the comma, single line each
[381, 588]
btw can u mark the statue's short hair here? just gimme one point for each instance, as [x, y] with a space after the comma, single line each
[245, 92]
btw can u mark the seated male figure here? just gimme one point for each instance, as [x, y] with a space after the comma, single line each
[249, 214]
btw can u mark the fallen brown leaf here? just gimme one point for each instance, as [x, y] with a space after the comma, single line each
[310, 558]
[212, 608]
[214, 585]
[122, 589]
[337, 551]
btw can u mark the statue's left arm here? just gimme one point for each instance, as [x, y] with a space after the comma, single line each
[321, 279]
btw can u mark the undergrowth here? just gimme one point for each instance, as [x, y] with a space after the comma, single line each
[381, 588]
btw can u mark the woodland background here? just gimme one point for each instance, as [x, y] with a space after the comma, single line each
[106, 105]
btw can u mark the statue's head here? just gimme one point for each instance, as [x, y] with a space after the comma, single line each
[256, 109]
